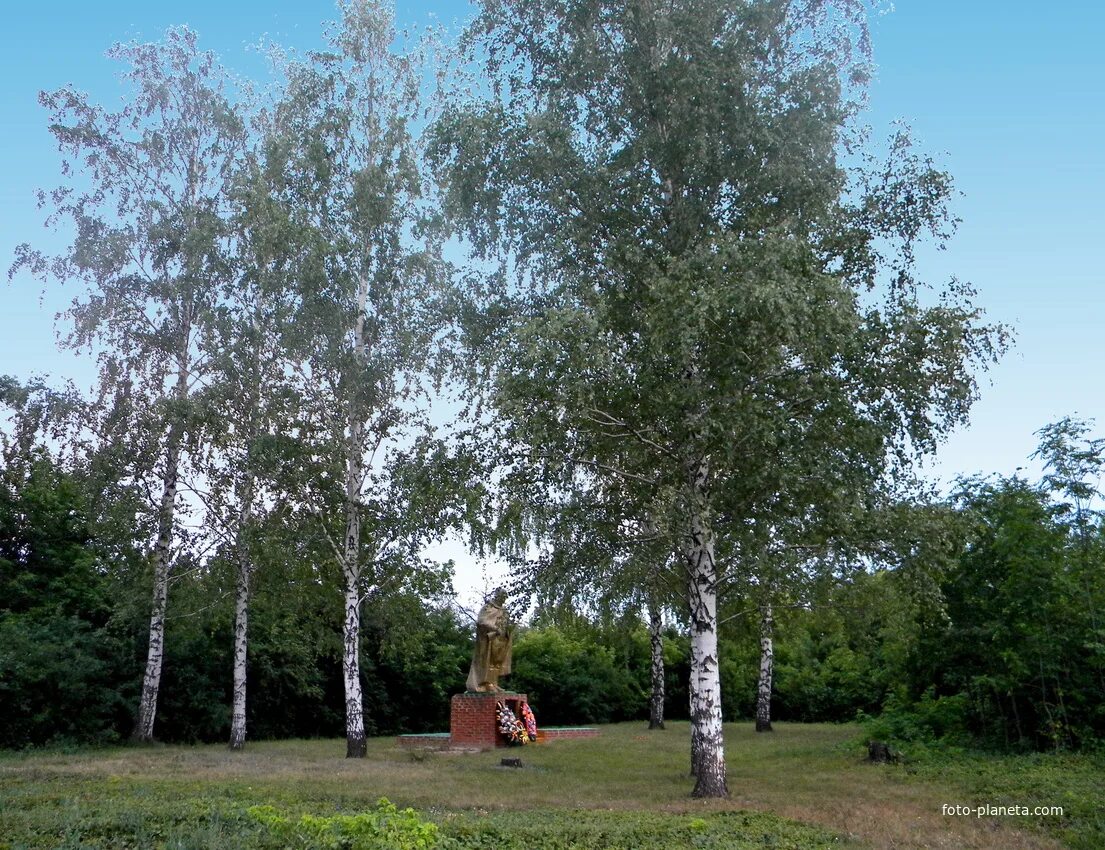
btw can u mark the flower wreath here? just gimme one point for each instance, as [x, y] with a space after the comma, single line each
[530, 721]
[510, 727]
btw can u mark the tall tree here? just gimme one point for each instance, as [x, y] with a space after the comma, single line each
[696, 287]
[365, 334]
[146, 199]
[246, 407]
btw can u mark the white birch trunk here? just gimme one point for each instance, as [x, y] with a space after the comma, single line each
[241, 623]
[351, 564]
[707, 744]
[162, 553]
[656, 638]
[241, 639]
[243, 585]
[767, 663]
[351, 667]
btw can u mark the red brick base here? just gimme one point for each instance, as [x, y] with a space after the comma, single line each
[473, 722]
[474, 725]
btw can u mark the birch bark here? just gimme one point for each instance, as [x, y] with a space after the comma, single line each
[241, 621]
[243, 584]
[162, 555]
[767, 663]
[351, 634]
[351, 564]
[707, 744]
[656, 700]
[351, 667]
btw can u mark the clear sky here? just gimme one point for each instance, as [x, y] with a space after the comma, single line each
[1009, 95]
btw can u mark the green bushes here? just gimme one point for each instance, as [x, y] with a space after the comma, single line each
[1020, 647]
[928, 718]
[574, 679]
[74, 611]
[64, 661]
[60, 681]
[385, 828]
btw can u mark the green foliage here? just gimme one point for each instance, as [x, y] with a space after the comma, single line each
[834, 656]
[575, 679]
[688, 264]
[61, 680]
[928, 718]
[386, 828]
[1021, 607]
[64, 662]
[1075, 782]
[414, 659]
[590, 830]
[999, 644]
[72, 634]
[987, 631]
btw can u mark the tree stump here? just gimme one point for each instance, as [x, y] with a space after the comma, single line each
[881, 753]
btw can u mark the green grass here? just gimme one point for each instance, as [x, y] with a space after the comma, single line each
[802, 786]
[85, 814]
[1071, 780]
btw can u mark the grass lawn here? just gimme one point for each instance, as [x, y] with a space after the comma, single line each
[805, 785]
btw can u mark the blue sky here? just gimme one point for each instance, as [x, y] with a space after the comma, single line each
[1009, 96]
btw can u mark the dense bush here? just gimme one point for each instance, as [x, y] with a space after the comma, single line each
[72, 636]
[574, 680]
[1022, 648]
[66, 672]
[61, 679]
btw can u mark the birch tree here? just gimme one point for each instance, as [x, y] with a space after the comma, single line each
[248, 405]
[145, 198]
[695, 279]
[364, 335]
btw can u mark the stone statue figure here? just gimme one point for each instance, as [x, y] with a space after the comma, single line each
[494, 635]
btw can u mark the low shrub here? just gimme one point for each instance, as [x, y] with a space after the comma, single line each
[385, 828]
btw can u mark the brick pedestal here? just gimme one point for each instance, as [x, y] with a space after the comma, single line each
[473, 722]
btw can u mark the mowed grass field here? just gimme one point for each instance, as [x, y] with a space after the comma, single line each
[805, 785]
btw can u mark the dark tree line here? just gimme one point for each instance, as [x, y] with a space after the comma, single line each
[996, 642]
[73, 641]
